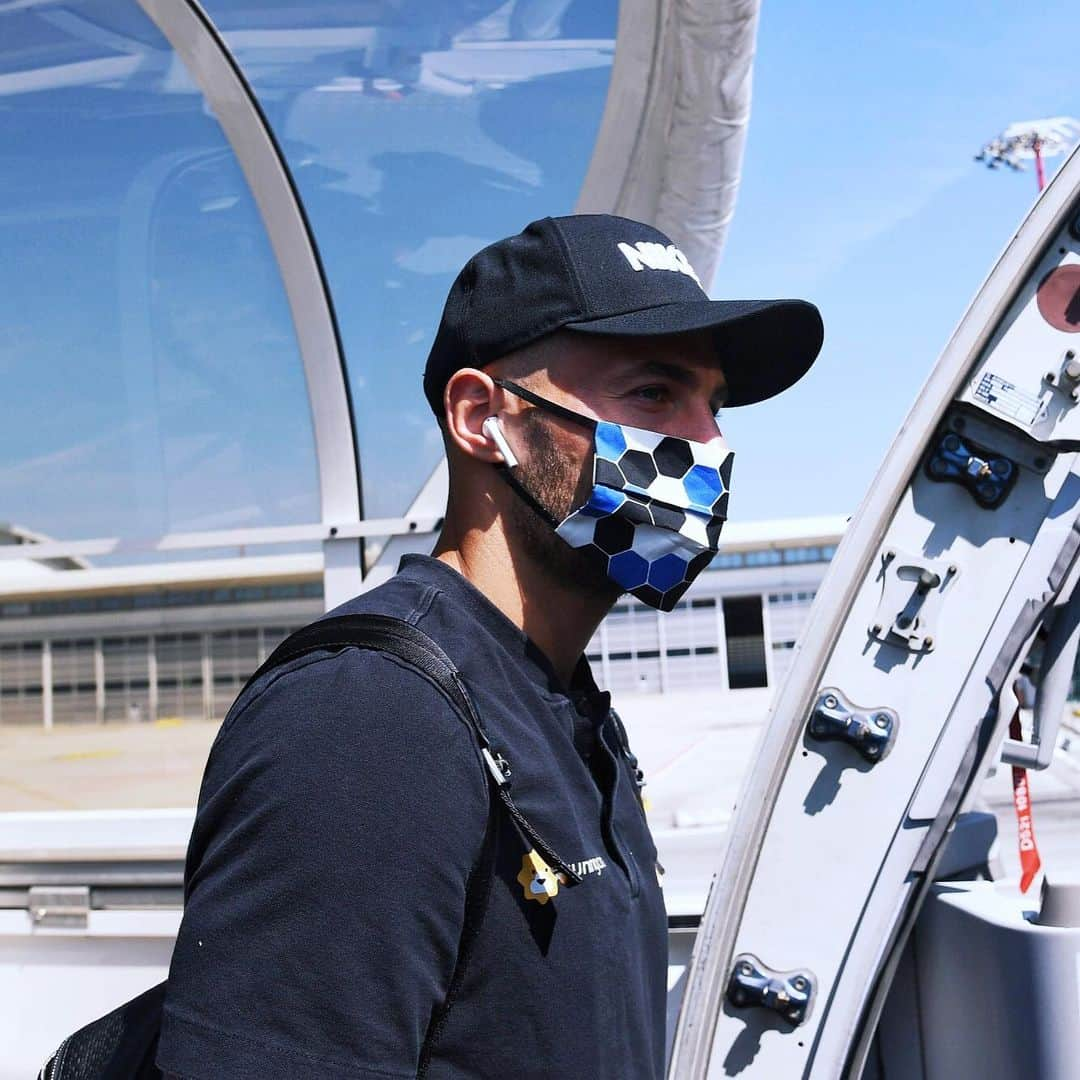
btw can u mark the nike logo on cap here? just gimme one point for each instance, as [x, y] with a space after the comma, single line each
[653, 256]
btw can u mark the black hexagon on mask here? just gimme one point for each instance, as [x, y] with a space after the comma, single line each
[608, 474]
[613, 534]
[673, 457]
[668, 517]
[638, 467]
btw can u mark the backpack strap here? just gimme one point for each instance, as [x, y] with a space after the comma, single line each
[386, 633]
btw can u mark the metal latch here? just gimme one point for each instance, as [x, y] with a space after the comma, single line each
[497, 765]
[871, 732]
[66, 906]
[1067, 378]
[911, 593]
[789, 994]
[1054, 686]
[987, 476]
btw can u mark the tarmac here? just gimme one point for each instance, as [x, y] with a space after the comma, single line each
[107, 766]
[693, 753]
[693, 745]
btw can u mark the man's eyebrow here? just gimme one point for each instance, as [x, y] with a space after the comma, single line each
[678, 374]
[671, 371]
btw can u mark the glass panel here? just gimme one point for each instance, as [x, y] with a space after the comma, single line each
[154, 385]
[145, 334]
[417, 133]
[74, 681]
[144, 330]
[234, 655]
[178, 658]
[127, 678]
[20, 683]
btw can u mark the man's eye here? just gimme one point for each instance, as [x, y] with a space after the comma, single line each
[654, 393]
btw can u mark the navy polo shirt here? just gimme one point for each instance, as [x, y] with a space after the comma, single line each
[343, 809]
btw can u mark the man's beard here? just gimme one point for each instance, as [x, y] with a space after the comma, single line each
[549, 478]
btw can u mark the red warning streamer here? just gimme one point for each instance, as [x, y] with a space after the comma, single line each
[1029, 850]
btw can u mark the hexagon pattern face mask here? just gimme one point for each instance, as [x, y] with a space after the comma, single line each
[657, 505]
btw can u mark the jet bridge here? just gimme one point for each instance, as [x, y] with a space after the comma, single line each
[230, 228]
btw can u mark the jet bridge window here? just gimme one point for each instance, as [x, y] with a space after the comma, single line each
[147, 340]
[155, 386]
[416, 134]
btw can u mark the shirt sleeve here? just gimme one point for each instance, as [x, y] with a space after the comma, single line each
[342, 812]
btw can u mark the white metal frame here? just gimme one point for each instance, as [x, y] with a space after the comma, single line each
[204, 53]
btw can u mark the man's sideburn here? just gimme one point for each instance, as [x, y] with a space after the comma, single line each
[551, 479]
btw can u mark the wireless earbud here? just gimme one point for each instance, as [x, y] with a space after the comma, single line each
[493, 430]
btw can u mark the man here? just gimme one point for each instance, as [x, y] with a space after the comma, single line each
[331, 925]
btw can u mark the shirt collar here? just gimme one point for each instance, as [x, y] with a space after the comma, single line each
[463, 593]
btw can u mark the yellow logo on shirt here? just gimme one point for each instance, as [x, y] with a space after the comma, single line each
[537, 879]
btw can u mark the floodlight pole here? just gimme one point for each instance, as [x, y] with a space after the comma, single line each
[1040, 172]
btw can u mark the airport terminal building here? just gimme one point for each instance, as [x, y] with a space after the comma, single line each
[178, 640]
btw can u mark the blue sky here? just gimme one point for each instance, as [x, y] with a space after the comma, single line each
[145, 331]
[859, 193]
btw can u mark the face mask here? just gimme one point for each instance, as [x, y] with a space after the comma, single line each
[656, 507]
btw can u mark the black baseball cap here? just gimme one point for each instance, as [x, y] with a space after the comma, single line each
[602, 274]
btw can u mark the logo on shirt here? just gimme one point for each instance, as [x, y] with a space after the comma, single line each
[655, 256]
[540, 883]
[595, 865]
[538, 880]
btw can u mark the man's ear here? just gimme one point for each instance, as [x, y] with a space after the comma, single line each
[469, 399]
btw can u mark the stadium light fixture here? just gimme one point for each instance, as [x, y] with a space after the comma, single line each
[1031, 140]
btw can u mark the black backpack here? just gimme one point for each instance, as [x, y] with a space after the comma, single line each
[122, 1045]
